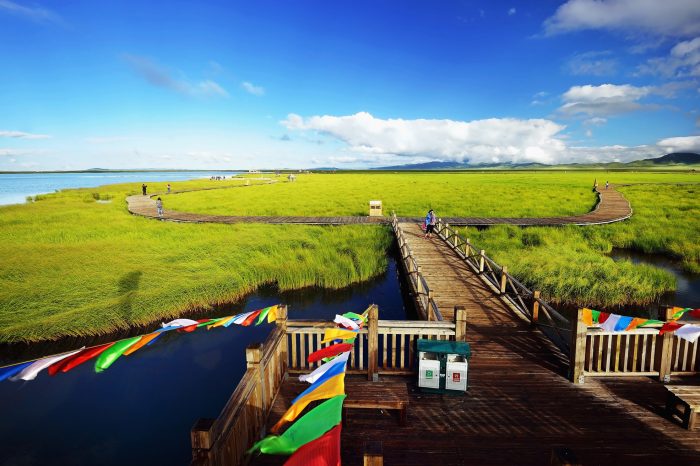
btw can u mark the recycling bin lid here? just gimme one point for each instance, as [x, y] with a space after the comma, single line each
[442, 346]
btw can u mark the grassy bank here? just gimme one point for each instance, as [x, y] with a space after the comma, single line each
[570, 264]
[500, 194]
[74, 266]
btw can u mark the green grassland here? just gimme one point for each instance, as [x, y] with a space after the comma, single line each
[72, 266]
[77, 263]
[570, 264]
[493, 194]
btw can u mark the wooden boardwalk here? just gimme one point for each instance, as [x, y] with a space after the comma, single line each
[612, 207]
[520, 405]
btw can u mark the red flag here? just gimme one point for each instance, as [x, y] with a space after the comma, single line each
[193, 327]
[670, 327]
[330, 351]
[249, 320]
[603, 317]
[695, 313]
[69, 363]
[324, 451]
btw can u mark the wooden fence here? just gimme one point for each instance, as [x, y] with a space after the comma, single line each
[422, 295]
[384, 347]
[637, 352]
[511, 291]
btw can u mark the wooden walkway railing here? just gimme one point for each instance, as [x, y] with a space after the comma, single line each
[641, 351]
[386, 347]
[420, 290]
[512, 292]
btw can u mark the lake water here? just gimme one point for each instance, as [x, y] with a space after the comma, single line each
[15, 187]
[140, 411]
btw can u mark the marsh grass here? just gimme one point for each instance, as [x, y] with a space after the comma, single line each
[73, 267]
[571, 264]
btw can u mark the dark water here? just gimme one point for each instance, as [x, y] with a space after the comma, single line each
[140, 410]
[15, 187]
[687, 292]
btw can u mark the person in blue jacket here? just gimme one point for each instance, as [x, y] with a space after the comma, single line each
[430, 221]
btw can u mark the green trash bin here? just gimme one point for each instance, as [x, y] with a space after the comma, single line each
[443, 366]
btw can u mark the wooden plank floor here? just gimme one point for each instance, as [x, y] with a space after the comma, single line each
[613, 207]
[519, 405]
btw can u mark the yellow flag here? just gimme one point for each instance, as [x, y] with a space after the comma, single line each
[272, 314]
[587, 317]
[337, 334]
[219, 323]
[332, 387]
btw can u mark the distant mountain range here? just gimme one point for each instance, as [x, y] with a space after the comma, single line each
[674, 159]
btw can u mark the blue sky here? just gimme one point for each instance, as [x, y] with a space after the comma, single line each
[348, 84]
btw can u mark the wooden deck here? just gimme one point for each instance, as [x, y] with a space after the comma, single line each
[612, 207]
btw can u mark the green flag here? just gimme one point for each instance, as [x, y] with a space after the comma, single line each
[262, 315]
[112, 353]
[356, 316]
[309, 427]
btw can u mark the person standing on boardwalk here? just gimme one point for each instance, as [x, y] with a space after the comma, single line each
[429, 224]
[159, 206]
[143, 189]
[168, 188]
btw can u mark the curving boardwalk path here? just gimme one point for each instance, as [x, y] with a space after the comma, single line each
[612, 207]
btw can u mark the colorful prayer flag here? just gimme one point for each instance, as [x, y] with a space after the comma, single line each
[670, 327]
[337, 334]
[587, 317]
[320, 370]
[345, 322]
[622, 323]
[9, 371]
[249, 320]
[329, 351]
[82, 357]
[610, 323]
[31, 371]
[324, 451]
[113, 353]
[272, 315]
[145, 340]
[328, 389]
[689, 332]
[220, 322]
[309, 427]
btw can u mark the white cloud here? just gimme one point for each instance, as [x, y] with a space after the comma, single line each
[207, 156]
[682, 61]
[252, 88]
[35, 13]
[105, 139]
[676, 18]
[512, 11]
[595, 121]
[12, 152]
[606, 99]
[594, 63]
[22, 135]
[681, 144]
[376, 141]
[479, 141]
[162, 77]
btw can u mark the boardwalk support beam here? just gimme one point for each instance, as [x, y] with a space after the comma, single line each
[577, 356]
[372, 342]
[460, 323]
[666, 350]
[535, 307]
[373, 454]
[504, 279]
[253, 356]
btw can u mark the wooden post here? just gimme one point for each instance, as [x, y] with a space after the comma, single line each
[430, 312]
[460, 323]
[419, 282]
[253, 356]
[467, 248]
[481, 261]
[577, 348]
[666, 350]
[282, 325]
[535, 307]
[200, 435]
[504, 279]
[447, 234]
[373, 455]
[372, 342]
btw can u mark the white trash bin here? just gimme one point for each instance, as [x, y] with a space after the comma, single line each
[428, 370]
[457, 368]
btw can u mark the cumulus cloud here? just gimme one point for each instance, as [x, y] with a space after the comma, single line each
[162, 77]
[252, 88]
[479, 141]
[594, 63]
[512, 11]
[674, 18]
[22, 135]
[12, 152]
[373, 141]
[683, 61]
[33, 13]
[606, 99]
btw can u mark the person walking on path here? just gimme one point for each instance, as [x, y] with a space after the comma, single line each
[595, 185]
[143, 188]
[159, 206]
[430, 221]
[607, 183]
[168, 188]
